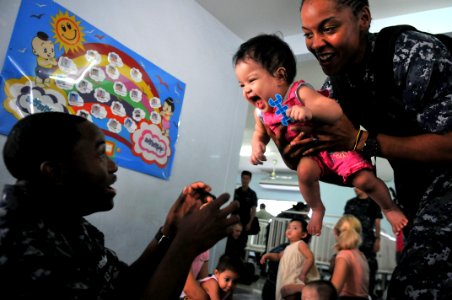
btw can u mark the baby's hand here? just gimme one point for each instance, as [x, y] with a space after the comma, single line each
[257, 154]
[263, 259]
[299, 113]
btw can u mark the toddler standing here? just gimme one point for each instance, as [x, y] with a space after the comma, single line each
[296, 262]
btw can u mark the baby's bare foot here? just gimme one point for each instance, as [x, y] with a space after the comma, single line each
[315, 224]
[396, 218]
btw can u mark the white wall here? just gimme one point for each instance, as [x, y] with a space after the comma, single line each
[183, 39]
[433, 21]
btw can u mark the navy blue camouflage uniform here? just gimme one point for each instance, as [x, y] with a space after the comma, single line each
[42, 257]
[423, 76]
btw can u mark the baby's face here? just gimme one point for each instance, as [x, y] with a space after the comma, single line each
[257, 84]
[294, 231]
[226, 280]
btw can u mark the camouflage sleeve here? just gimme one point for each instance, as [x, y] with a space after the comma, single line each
[423, 69]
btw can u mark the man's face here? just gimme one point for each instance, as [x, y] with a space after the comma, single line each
[236, 231]
[246, 180]
[89, 173]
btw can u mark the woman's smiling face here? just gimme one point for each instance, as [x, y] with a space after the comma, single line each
[334, 34]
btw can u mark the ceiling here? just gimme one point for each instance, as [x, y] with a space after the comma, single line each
[247, 18]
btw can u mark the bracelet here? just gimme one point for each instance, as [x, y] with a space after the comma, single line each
[358, 137]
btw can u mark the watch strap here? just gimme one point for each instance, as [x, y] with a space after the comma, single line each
[371, 147]
[161, 238]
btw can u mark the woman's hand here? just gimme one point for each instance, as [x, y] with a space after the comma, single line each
[293, 152]
[339, 136]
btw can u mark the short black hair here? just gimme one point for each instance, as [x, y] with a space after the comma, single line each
[37, 138]
[247, 173]
[270, 51]
[355, 5]
[231, 263]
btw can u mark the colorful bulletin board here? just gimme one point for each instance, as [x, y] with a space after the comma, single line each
[58, 62]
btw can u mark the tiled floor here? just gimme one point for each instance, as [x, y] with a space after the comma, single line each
[249, 292]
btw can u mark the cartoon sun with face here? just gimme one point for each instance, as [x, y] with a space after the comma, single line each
[68, 32]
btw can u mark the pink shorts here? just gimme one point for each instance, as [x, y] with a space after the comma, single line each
[342, 163]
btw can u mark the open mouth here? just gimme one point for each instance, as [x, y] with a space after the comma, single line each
[255, 98]
[110, 190]
[257, 102]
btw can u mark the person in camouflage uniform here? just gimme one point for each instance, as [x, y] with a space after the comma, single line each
[48, 250]
[369, 214]
[411, 127]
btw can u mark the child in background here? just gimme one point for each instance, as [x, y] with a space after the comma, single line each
[220, 285]
[319, 290]
[265, 66]
[350, 275]
[296, 262]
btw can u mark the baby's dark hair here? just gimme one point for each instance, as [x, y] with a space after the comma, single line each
[304, 227]
[355, 5]
[233, 264]
[325, 289]
[271, 52]
[37, 138]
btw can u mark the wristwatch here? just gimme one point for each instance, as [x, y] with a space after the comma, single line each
[371, 147]
[161, 238]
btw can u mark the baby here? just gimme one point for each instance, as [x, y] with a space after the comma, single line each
[220, 285]
[265, 67]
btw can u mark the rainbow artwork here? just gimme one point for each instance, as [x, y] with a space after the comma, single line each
[58, 62]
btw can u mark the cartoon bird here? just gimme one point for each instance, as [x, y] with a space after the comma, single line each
[162, 82]
[90, 31]
[40, 5]
[37, 16]
[100, 37]
[22, 50]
